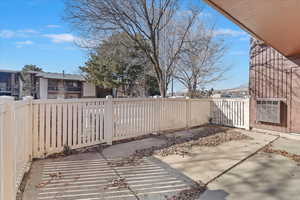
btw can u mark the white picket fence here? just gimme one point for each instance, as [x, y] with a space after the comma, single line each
[75, 123]
[137, 117]
[36, 128]
[15, 144]
[85, 122]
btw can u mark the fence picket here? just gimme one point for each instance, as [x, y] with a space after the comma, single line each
[79, 134]
[59, 114]
[75, 124]
[65, 125]
[35, 131]
[42, 129]
[53, 127]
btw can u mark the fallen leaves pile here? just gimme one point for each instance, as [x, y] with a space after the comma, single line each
[294, 157]
[129, 161]
[53, 176]
[188, 194]
[119, 183]
[183, 148]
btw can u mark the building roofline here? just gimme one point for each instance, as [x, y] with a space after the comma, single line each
[57, 76]
[9, 71]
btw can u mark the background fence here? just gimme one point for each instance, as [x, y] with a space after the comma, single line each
[36, 128]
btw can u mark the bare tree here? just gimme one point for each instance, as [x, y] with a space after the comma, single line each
[147, 18]
[201, 59]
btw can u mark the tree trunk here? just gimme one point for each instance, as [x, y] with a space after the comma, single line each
[162, 89]
[194, 91]
[190, 91]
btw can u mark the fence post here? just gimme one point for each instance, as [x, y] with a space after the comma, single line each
[158, 111]
[247, 114]
[188, 112]
[108, 120]
[2, 111]
[29, 127]
[8, 162]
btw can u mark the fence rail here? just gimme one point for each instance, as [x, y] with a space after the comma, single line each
[36, 128]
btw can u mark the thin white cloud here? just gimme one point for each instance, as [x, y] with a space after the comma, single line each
[7, 34]
[27, 42]
[229, 32]
[21, 44]
[28, 31]
[53, 26]
[61, 38]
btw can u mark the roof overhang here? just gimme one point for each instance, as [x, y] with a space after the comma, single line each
[273, 21]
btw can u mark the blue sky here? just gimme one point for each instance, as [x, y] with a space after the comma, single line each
[33, 32]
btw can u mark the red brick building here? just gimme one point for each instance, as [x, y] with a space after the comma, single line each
[275, 89]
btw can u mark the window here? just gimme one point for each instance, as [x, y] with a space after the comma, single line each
[5, 81]
[73, 85]
[52, 84]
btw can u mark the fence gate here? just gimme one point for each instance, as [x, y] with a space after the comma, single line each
[230, 112]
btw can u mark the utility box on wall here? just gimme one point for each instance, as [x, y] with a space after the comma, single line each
[268, 110]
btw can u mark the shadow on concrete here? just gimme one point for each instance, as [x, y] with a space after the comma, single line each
[214, 195]
[264, 176]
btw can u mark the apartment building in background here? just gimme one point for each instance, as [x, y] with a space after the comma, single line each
[46, 85]
[10, 83]
[62, 86]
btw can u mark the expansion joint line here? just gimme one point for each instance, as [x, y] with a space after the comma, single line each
[117, 173]
[241, 161]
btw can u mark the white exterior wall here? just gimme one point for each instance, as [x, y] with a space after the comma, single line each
[43, 88]
[89, 90]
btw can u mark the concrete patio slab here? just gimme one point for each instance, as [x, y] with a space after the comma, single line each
[92, 175]
[205, 163]
[265, 176]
